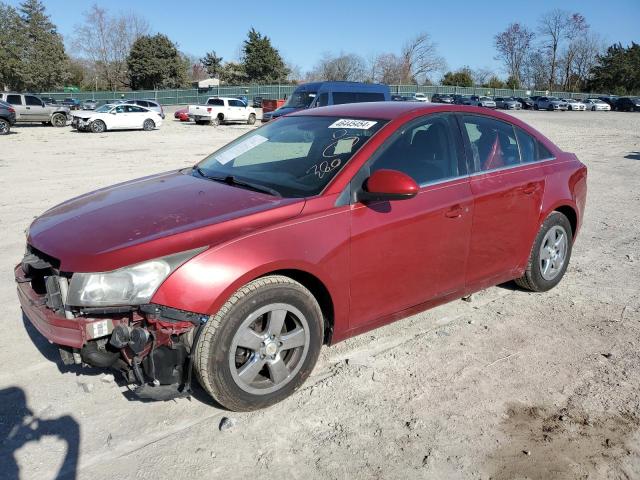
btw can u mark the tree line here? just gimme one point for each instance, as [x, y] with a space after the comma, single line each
[119, 51]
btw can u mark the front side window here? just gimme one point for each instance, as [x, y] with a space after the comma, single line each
[216, 102]
[425, 150]
[294, 156]
[134, 109]
[493, 143]
[32, 101]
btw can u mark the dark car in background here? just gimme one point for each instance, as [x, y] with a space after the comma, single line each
[49, 100]
[612, 100]
[526, 102]
[150, 104]
[462, 99]
[628, 104]
[442, 98]
[7, 117]
[72, 103]
[89, 105]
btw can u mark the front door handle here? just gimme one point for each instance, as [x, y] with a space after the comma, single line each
[454, 212]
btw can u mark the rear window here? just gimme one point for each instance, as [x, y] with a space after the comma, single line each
[14, 99]
[340, 98]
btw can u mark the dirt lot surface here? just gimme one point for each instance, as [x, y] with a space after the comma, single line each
[509, 385]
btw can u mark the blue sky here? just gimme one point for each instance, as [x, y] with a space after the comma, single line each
[302, 31]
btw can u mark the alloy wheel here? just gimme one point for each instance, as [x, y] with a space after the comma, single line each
[269, 348]
[553, 252]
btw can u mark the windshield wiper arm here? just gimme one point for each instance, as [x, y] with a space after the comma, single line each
[231, 180]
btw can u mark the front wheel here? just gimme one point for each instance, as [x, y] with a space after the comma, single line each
[535, 107]
[593, 109]
[59, 120]
[262, 344]
[549, 256]
[148, 125]
[98, 126]
[252, 119]
[5, 127]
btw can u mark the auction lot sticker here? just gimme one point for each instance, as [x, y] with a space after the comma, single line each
[351, 123]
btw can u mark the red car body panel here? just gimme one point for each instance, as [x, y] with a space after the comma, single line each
[376, 262]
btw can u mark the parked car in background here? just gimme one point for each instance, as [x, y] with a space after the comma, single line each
[260, 254]
[550, 103]
[321, 94]
[219, 110]
[182, 114]
[89, 105]
[419, 96]
[49, 100]
[507, 103]
[150, 104]
[611, 100]
[32, 109]
[397, 98]
[7, 117]
[526, 102]
[481, 101]
[574, 104]
[441, 98]
[595, 104]
[72, 103]
[116, 117]
[628, 104]
[462, 99]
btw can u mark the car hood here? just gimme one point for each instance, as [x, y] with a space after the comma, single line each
[152, 217]
[84, 114]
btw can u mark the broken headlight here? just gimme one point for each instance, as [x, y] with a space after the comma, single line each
[133, 285]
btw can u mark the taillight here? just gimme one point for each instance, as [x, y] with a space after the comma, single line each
[12, 110]
[208, 109]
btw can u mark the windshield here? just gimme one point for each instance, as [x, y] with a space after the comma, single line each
[104, 108]
[300, 99]
[295, 156]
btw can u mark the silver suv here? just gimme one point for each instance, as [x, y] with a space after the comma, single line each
[150, 104]
[30, 108]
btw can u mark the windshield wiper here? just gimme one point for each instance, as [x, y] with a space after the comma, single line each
[234, 181]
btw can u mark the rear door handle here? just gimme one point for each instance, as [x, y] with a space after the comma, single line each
[454, 212]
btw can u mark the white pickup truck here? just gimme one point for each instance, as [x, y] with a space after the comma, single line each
[219, 110]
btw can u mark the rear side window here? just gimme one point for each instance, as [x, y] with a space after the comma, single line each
[142, 103]
[543, 152]
[493, 143]
[14, 99]
[32, 101]
[236, 103]
[216, 102]
[426, 150]
[323, 99]
[528, 147]
[340, 98]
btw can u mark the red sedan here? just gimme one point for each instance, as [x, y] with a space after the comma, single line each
[316, 227]
[182, 114]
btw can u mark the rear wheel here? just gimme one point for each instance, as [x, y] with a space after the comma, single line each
[550, 254]
[593, 109]
[58, 120]
[262, 344]
[252, 119]
[535, 106]
[215, 121]
[5, 127]
[98, 126]
[148, 125]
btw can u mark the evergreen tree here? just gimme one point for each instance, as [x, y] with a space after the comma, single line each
[618, 70]
[262, 62]
[155, 62]
[461, 78]
[212, 64]
[33, 56]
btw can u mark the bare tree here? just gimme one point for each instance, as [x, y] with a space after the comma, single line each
[481, 76]
[345, 67]
[575, 30]
[553, 27]
[536, 70]
[512, 46]
[106, 40]
[389, 69]
[588, 47]
[420, 58]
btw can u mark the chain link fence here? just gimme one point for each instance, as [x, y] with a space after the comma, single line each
[195, 96]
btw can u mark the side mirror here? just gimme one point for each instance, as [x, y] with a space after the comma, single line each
[388, 185]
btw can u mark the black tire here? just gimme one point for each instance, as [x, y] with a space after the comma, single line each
[5, 127]
[215, 121]
[98, 126]
[148, 125]
[59, 120]
[593, 109]
[213, 361]
[535, 106]
[533, 278]
[252, 119]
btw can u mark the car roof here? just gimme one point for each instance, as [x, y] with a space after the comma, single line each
[389, 110]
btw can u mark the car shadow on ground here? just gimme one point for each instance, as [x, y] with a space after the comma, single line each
[633, 156]
[51, 353]
[19, 425]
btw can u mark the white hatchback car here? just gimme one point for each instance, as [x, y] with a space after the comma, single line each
[575, 105]
[594, 104]
[116, 117]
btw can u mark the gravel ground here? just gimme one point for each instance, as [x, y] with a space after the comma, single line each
[509, 385]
